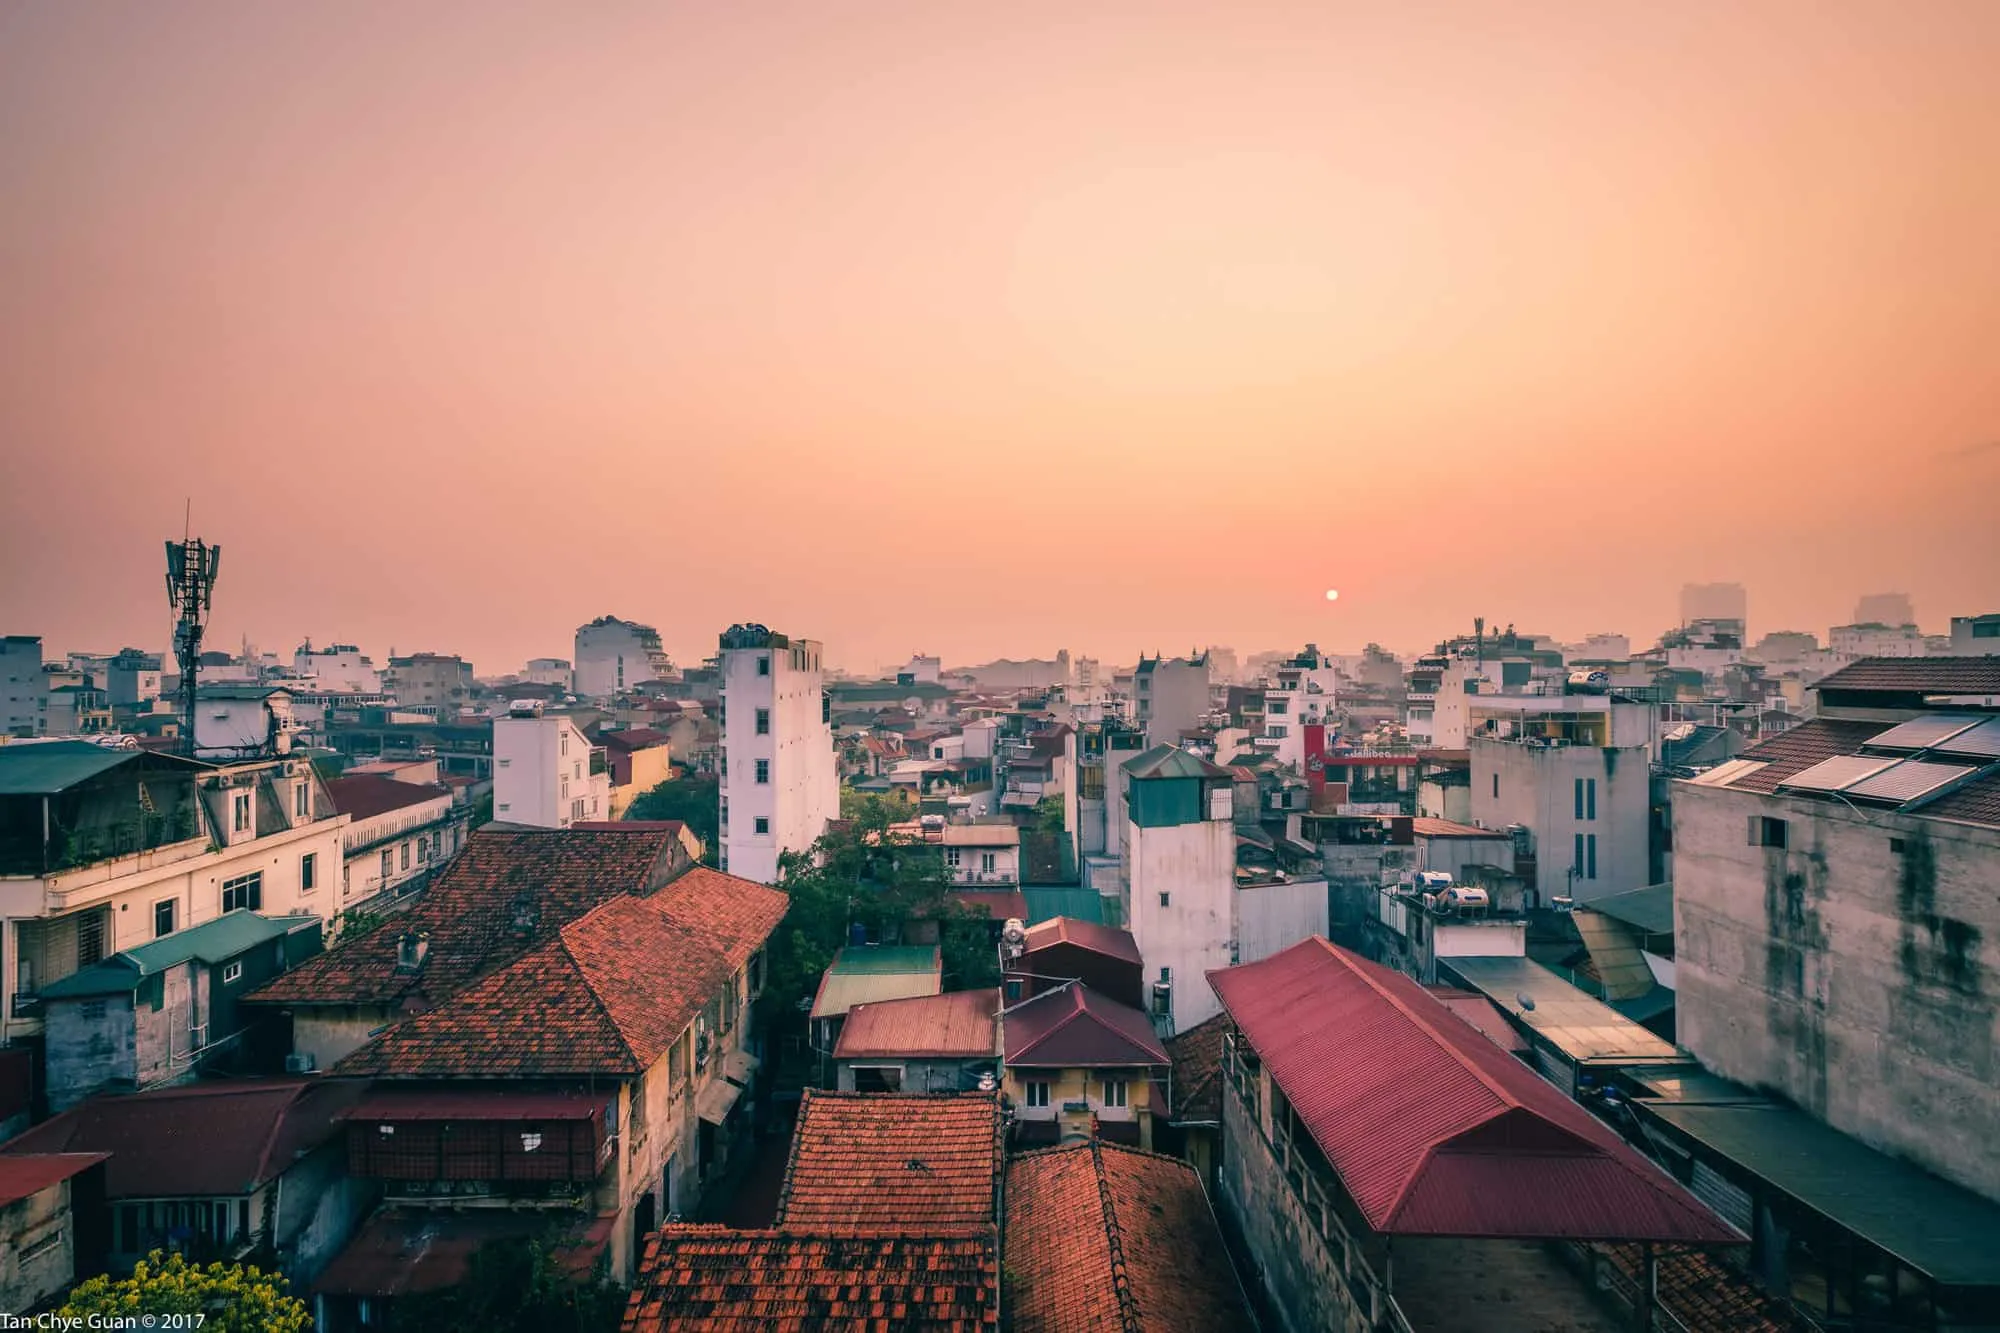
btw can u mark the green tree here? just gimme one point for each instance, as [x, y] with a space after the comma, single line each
[1048, 815]
[482, 811]
[869, 805]
[694, 800]
[517, 1286]
[236, 1298]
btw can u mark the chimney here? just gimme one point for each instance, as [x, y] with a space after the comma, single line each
[412, 947]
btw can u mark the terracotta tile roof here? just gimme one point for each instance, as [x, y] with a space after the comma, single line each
[1706, 1295]
[210, 1139]
[736, 915]
[403, 1251]
[469, 914]
[1107, 940]
[709, 1279]
[1104, 1237]
[24, 1174]
[366, 795]
[607, 996]
[1800, 748]
[1074, 1027]
[1917, 675]
[632, 738]
[1977, 802]
[1433, 1129]
[960, 1025]
[1195, 1095]
[926, 1163]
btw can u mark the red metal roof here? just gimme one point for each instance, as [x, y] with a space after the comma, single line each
[1074, 1027]
[365, 795]
[959, 1025]
[1433, 1129]
[1483, 1014]
[1107, 940]
[30, 1173]
[497, 1104]
[403, 1251]
[999, 904]
[893, 1161]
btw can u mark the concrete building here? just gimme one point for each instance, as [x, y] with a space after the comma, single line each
[1851, 643]
[1837, 934]
[1975, 635]
[641, 759]
[242, 722]
[1574, 771]
[921, 670]
[103, 850]
[1170, 695]
[133, 679]
[779, 785]
[438, 681]
[614, 655]
[548, 671]
[400, 832]
[1885, 608]
[1716, 601]
[40, 1196]
[547, 774]
[339, 669]
[1177, 876]
[78, 709]
[1299, 692]
[927, 1043]
[24, 703]
[1436, 701]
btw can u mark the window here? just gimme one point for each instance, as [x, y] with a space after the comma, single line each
[530, 1141]
[308, 872]
[1166, 975]
[826, 708]
[1276, 732]
[952, 856]
[986, 862]
[1590, 795]
[1590, 861]
[163, 917]
[562, 742]
[406, 856]
[1038, 1095]
[389, 863]
[763, 666]
[240, 818]
[1165, 898]
[1897, 846]
[1114, 1092]
[42, 1246]
[232, 972]
[1767, 832]
[1277, 707]
[763, 770]
[763, 825]
[1579, 798]
[302, 803]
[243, 891]
[763, 722]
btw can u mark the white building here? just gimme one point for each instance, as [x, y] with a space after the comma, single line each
[1436, 706]
[1298, 693]
[1171, 696]
[921, 670]
[547, 774]
[398, 834]
[780, 783]
[1975, 636]
[1603, 647]
[242, 722]
[548, 671]
[614, 655]
[135, 679]
[1850, 643]
[105, 849]
[1177, 876]
[340, 669]
[24, 700]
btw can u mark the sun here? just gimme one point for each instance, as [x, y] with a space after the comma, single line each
[1333, 594]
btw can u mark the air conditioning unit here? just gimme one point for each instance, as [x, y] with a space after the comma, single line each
[300, 1062]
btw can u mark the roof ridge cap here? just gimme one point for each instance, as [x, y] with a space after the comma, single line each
[1114, 1241]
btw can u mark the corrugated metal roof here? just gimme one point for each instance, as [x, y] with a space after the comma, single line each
[1077, 903]
[1930, 1224]
[1170, 761]
[867, 973]
[228, 936]
[960, 1025]
[1580, 1026]
[1107, 940]
[43, 768]
[31, 1173]
[400, 1252]
[1432, 1128]
[1651, 909]
[1074, 1027]
[1426, 827]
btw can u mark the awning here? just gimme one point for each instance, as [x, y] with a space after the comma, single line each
[739, 1067]
[715, 1101]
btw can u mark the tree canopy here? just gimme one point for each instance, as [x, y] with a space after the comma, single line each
[694, 800]
[516, 1286]
[236, 1298]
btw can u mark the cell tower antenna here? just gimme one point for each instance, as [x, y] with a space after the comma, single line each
[191, 567]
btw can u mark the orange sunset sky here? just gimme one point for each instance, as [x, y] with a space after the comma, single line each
[987, 329]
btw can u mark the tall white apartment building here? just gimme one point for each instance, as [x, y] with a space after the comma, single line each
[339, 668]
[547, 774]
[614, 655]
[779, 782]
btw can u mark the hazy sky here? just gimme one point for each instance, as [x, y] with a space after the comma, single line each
[991, 329]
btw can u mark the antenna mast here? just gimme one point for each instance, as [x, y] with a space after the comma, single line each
[191, 566]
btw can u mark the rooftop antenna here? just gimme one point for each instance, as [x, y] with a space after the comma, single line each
[191, 566]
[1479, 638]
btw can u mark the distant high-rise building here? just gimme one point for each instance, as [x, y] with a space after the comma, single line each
[780, 785]
[1171, 696]
[1715, 601]
[24, 693]
[340, 668]
[1885, 608]
[614, 655]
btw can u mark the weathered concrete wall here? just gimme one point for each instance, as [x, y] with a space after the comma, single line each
[1858, 980]
[328, 1032]
[1536, 786]
[27, 1282]
[1271, 917]
[1298, 1275]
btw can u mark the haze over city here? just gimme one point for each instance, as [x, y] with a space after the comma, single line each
[1136, 327]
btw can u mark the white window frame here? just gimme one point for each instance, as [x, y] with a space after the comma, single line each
[232, 973]
[1029, 1090]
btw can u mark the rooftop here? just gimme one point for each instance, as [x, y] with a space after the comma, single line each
[1915, 675]
[1105, 1237]
[1107, 940]
[200, 1139]
[1074, 1027]
[863, 973]
[1651, 909]
[228, 936]
[1170, 761]
[24, 1174]
[865, 1161]
[47, 767]
[399, 1252]
[1581, 1026]
[1079, 903]
[710, 1279]
[1425, 827]
[1196, 1086]
[1431, 1127]
[958, 1025]
[365, 795]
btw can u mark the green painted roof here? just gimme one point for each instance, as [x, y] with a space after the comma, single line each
[1170, 761]
[43, 768]
[863, 974]
[1930, 1224]
[878, 959]
[212, 942]
[1078, 904]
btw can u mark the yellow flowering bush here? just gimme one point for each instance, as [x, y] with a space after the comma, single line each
[236, 1298]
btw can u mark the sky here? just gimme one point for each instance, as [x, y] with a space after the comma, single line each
[985, 331]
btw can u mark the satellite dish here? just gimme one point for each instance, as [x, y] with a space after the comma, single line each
[1525, 1000]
